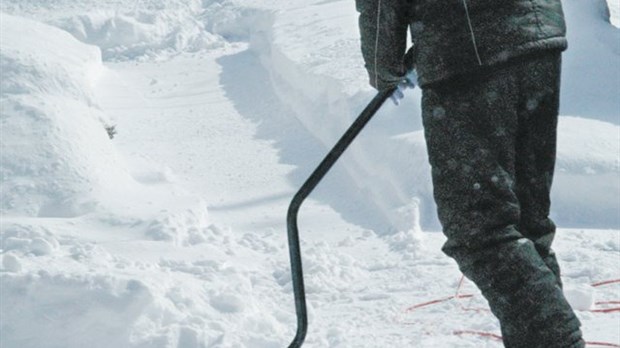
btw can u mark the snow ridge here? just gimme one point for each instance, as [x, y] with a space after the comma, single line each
[47, 98]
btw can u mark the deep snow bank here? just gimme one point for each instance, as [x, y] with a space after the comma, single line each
[90, 257]
[586, 189]
[144, 32]
[590, 76]
[55, 153]
[92, 289]
[317, 69]
[313, 57]
[614, 12]
[144, 29]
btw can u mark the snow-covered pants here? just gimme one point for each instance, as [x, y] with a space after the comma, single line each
[491, 138]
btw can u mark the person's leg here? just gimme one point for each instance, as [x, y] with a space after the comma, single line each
[536, 152]
[471, 126]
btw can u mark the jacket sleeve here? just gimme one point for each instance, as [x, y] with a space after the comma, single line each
[383, 30]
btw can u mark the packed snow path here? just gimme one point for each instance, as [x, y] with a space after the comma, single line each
[174, 117]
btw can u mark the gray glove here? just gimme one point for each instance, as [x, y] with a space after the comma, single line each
[408, 82]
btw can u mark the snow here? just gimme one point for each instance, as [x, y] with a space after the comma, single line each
[172, 234]
[614, 12]
[55, 151]
[580, 297]
[589, 83]
[587, 185]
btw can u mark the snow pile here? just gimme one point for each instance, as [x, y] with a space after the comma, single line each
[586, 189]
[315, 64]
[146, 29]
[614, 12]
[231, 21]
[182, 228]
[580, 297]
[590, 77]
[37, 241]
[87, 295]
[56, 156]
[105, 271]
[157, 33]
[328, 271]
[96, 300]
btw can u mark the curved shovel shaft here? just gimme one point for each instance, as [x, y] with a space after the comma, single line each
[300, 196]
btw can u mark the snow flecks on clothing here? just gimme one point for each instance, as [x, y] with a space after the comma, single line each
[439, 112]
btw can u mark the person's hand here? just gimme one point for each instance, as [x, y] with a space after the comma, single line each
[408, 82]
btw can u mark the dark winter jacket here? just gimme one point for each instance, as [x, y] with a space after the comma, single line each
[452, 37]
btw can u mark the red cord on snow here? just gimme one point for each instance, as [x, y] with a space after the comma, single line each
[424, 304]
[602, 344]
[605, 282]
[458, 289]
[498, 337]
[478, 333]
[605, 310]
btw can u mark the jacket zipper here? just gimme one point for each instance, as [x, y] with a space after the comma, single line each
[377, 43]
[471, 31]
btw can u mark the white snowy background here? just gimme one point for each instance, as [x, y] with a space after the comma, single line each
[173, 233]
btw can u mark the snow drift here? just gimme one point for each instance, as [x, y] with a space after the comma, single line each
[158, 30]
[55, 152]
[143, 34]
[67, 196]
[590, 84]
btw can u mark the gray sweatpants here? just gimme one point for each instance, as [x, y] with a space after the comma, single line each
[491, 140]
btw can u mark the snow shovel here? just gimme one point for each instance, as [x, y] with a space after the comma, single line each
[303, 193]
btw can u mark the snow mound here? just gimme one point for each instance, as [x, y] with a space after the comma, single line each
[112, 292]
[143, 30]
[160, 30]
[614, 12]
[37, 241]
[590, 77]
[90, 301]
[588, 146]
[108, 261]
[143, 34]
[325, 86]
[55, 154]
[586, 189]
[580, 297]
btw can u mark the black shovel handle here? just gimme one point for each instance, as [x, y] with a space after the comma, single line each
[303, 193]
